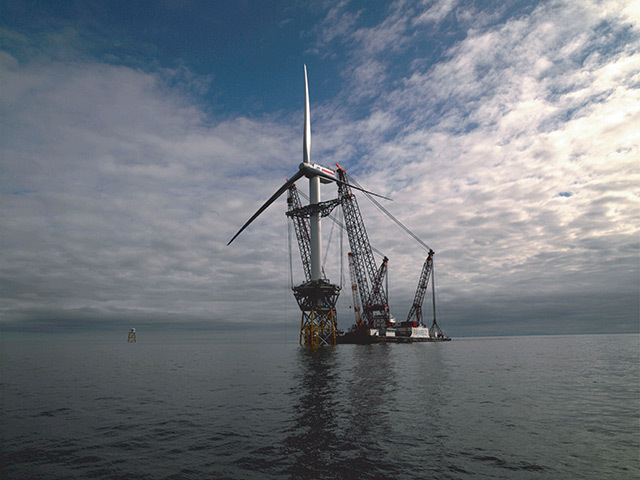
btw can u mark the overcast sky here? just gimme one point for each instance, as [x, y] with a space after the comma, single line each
[137, 137]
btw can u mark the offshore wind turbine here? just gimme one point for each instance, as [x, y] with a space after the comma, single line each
[316, 174]
[316, 298]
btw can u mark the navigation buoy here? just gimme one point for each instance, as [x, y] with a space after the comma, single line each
[131, 338]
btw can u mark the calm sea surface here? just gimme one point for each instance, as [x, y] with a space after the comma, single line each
[190, 406]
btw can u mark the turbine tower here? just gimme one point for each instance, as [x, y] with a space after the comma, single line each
[315, 232]
[316, 297]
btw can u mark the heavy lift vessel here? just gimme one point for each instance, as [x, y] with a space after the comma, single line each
[374, 322]
[317, 296]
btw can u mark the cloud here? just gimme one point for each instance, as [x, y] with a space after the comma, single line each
[117, 194]
[508, 144]
[436, 11]
[514, 113]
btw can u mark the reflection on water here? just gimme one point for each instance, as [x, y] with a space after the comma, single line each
[507, 408]
[343, 399]
[370, 397]
[312, 439]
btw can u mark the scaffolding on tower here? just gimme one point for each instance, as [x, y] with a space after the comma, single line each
[316, 298]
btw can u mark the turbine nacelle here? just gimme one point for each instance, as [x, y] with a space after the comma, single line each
[311, 170]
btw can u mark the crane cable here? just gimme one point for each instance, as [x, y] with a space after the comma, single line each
[387, 213]
[340, 224]
[326, 252]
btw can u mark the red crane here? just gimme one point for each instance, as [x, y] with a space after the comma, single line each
[418, 299]
[354, 292]
[375, 303]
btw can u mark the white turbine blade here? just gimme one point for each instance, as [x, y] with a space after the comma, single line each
[306, 139]
[273, 198]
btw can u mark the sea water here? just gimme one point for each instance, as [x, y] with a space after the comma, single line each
[192, 406]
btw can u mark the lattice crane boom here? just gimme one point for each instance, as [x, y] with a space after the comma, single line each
[416, 308]
[354, 291]
[368, 276]
[301, 227]
[378, 300]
